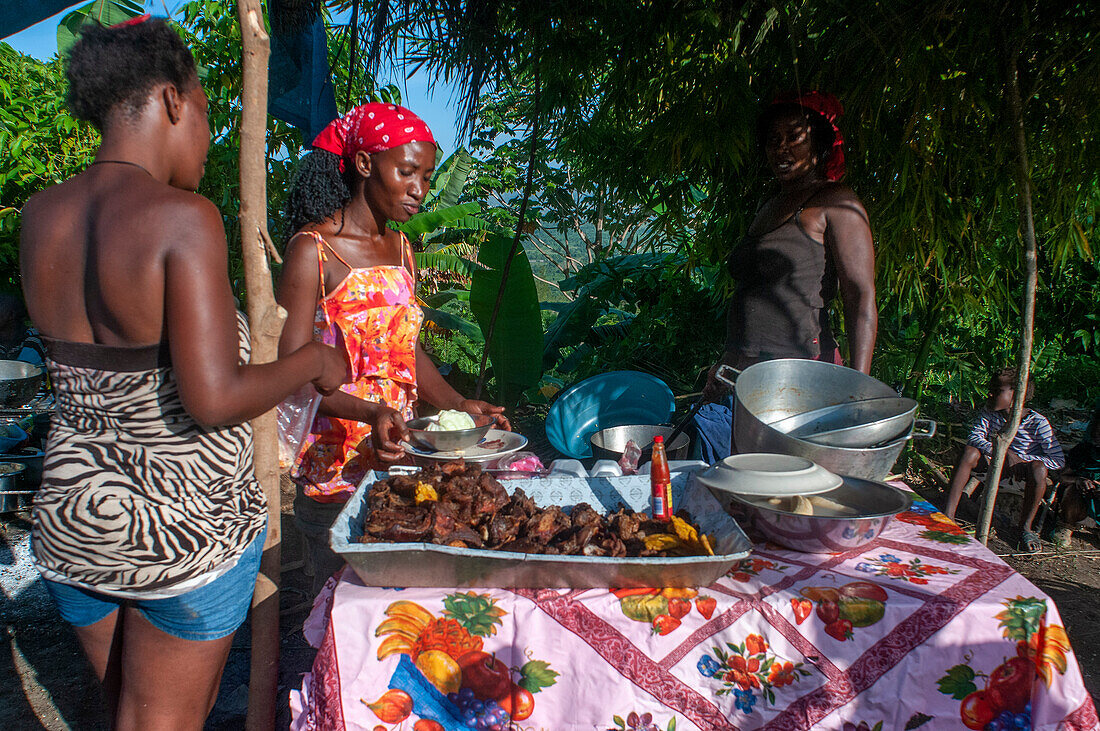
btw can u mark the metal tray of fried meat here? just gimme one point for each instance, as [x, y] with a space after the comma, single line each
[426, 564]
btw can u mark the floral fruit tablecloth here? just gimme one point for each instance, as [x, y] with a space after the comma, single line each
[923, 628]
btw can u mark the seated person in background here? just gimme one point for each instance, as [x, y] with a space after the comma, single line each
[1082, 480]
[1033, 451]
[18, 341]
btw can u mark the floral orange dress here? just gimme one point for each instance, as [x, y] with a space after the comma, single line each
[375, 311]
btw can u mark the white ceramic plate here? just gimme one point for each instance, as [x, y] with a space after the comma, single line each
[497, 443]
[769, 475]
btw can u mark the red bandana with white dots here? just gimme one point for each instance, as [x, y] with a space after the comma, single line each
[372, 127]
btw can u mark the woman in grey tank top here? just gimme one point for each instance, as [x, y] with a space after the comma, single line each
[808, 242]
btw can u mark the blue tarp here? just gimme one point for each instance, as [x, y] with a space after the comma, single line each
[17, 15]
[300, 88]
[713, 424]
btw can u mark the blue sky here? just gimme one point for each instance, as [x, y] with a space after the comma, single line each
[436, 109]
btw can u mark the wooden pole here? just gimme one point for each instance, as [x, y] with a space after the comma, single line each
[1031, 262]
[266, 322]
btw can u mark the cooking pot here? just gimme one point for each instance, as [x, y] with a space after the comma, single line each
[12, 496]
[771, 390]
[875, 502]
[611, 443]
[32, 459]
[19, 382]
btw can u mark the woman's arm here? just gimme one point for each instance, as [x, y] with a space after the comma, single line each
[848, 235]
[202, 329]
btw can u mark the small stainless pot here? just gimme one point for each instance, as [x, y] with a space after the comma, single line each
[19, 382]
[11, 485]
[611, 443]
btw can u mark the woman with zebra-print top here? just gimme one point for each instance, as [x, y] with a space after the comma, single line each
[149, 524]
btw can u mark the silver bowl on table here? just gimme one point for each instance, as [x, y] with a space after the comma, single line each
[610, 443]
[448, 441]
[872, 503]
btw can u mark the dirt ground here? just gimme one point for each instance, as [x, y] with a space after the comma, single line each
[56, 690]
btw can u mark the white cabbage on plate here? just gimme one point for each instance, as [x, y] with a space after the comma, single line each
[452, 420]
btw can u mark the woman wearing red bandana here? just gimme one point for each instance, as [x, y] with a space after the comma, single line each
[348, 278]
[810, 239]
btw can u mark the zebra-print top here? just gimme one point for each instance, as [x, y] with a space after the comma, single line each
[136, 497]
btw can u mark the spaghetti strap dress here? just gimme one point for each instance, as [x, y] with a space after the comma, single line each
[374, 313]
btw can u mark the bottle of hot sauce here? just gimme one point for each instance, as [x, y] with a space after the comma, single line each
[660, 482]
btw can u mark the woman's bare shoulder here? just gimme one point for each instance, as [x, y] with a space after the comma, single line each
[836, 193]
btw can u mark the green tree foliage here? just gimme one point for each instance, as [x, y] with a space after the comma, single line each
[662, 96]
[40, 142]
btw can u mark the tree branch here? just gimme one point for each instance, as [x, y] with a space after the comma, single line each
[1004, 438]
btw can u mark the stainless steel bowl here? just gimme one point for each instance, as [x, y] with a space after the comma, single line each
[19, 382]
[611, 443]
[448, 441]
[875, 503]
[857, 424]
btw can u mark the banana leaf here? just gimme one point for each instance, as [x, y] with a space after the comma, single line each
[104, 12]
[449, 321]
[447, 263]
[444, 296]
[516, 348]
[451, 179]
[429, 221]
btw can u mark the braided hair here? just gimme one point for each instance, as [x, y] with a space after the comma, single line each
[116, 67]
[319, 190]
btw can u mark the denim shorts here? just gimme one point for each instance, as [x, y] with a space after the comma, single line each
[210, 612]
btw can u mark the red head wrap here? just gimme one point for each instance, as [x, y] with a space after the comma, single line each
[373, 128]
[829, 107]
[132, 21]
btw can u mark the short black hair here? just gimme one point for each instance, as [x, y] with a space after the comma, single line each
[822, 134]
[116, 67]
[319, 190]
[1007, 377]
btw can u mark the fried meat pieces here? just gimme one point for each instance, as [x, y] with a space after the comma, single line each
[473, 510]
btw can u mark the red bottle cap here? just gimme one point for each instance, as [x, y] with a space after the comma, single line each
[658, 439]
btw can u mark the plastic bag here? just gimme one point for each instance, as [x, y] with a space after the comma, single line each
[295, 418]
[524, 464]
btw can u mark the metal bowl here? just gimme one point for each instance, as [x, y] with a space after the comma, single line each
[875, 503]
[858, 424]
[19, 382]
[611, 443]
[448, 441]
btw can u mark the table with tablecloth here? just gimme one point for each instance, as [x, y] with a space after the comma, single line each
[921, 628]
